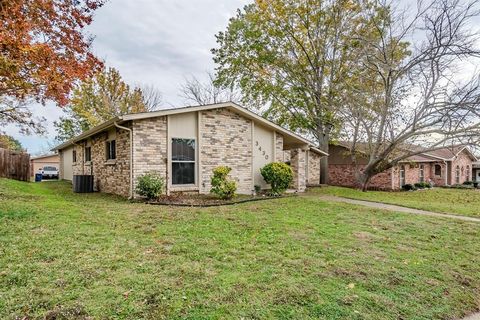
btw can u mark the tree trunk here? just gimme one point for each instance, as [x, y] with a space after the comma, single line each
[323, 145]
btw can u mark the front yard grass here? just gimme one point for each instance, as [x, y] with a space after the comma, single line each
[83, 256]
[456, 201]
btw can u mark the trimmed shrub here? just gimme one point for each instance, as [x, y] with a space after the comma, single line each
[150, 185]
[422, 185]
[468, 183]
[408, 187]
[257, 188]
[279, 175]
[223, 187]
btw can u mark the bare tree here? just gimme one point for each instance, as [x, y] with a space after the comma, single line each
[413, 100]
[202, 93]
[152, 97]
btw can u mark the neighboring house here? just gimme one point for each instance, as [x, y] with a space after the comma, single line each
[38, 163]
[184, 145]
[476, 171]
[443, 167]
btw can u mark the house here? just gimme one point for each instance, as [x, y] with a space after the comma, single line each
[184, 145]
[442, 167]
[38, 163]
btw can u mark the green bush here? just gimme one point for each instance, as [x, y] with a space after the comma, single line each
[279, 175]
[468, 183]
[150, 185]
[408, 187]
[223, 187]
[422, 185]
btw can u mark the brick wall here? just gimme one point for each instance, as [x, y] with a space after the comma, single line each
[344, 175]
[109, 176]
[226, 140]
[150, 147]
[313, 177]
[462, 161]
[298, 163]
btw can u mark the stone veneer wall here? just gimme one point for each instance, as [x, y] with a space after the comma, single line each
[109, 176]
[298, 163]
[313, 177]
[279, 153]
[226, 140]
[60, 165]
[150, 147]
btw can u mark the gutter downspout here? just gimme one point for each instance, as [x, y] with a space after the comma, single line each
[131, 156]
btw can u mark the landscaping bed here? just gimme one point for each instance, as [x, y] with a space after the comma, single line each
[205, 200]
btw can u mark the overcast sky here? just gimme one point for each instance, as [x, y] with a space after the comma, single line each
[156, 42]
[159, 43]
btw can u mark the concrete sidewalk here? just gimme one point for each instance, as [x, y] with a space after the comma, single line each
[392, 207]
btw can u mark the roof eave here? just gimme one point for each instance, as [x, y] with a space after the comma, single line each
[88, 133]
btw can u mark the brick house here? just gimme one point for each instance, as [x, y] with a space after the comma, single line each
[184, 145]
[443, 167]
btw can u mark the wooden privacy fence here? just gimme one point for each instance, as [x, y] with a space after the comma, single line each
[14, 165]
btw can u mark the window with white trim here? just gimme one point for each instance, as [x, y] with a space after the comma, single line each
[422, 173]
[183, 161]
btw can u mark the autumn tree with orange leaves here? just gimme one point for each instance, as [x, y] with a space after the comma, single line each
[44, 51]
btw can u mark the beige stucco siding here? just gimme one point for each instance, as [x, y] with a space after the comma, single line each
[263, 151]
[66, 166]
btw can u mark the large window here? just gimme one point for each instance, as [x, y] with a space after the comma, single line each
[438, 170]
[111, 150]
[183, 161]
[422, 173]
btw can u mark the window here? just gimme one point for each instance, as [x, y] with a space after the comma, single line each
[422, 173]
[457, 175]
[402, 176]
[468, 174]
[183, 161]
[438, 170]
[88, 153]
[111, 150]
[74, 156]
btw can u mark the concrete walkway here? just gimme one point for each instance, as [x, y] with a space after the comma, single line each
[475, 316]
[392, 207]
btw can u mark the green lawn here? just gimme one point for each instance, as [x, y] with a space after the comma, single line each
[93, 256]
[456, 201]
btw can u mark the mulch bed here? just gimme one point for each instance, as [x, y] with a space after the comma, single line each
[202, 200]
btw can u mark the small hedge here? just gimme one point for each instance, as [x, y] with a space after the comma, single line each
[279, 175]
[150, 185]
[223, 187]
[408, 187]
[423, 185]
[468, 183]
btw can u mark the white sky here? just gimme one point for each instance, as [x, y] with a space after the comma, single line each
[155, 42]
